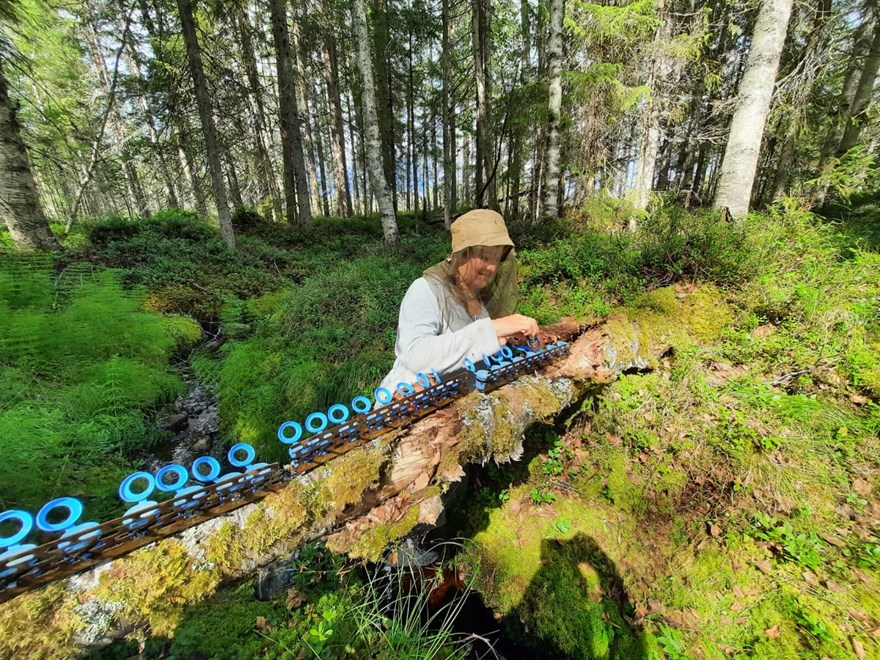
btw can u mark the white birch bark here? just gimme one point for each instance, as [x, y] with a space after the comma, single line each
[753, 104]
[554, 52]
[371, 125]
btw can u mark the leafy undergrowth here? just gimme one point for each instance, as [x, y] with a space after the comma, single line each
[725, 503]
[81, 366]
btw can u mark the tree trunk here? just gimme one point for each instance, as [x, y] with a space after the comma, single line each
[194, 57]
[188, 166]
[296, 187]
[658, 72]
[265, 171]
[753, 104]
[340, 169]
[466, 169]
[554, 53]
[413, 187]
[371, 125]
[19, 200]
[359, 203]
[486, 189]
[384, 94]
[449, 201]
[857, 115]
[302, 107]
[319, 150]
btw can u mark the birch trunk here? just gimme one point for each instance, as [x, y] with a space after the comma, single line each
[19, 200]
[412, 191]
[296, 187]
[371, 125]
[740, 161]
[194, 56]
[554, 53]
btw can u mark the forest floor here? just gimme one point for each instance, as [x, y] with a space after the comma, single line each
[724, 503]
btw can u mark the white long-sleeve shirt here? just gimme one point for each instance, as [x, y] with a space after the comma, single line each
[427, 339]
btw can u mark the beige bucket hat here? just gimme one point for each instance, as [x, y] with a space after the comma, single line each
[479, 227]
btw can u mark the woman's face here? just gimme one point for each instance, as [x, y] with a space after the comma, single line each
[479, 268]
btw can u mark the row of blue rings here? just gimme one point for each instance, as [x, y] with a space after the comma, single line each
[74, 508]
[205, 469]
[290, 432]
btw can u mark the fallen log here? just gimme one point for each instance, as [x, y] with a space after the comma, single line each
[361, 502]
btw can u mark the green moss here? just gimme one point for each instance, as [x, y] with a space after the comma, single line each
[39, 624]
[664, 317]
[154, 585]
[223, 627]
[225, 548]
[185, 331]
[350, 477]
[281, 514]
[620, 487]
[373, 542]
[570, 603]
[550, 574]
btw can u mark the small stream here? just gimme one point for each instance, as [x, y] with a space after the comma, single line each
[194, 423]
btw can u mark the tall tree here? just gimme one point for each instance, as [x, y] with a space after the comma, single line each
[864, 90]
[212, 150]
[371, 125]
[486, 189]
[296, 187]
[266, 172]
[449, 192]
[554, 66]
[19, 200]
[337, 134]
[737, 173]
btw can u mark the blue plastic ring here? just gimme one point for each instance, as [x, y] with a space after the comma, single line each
[210, 461]
[27, 524]
[405, 389]
[250, 454]
[298, 431]
[125, 492]
[342, 417]
[74, 511]
[322, 422]
[424, 381]
[506, 351]
[182, 478]
[383, 395]
[436, 376]
[361, 404]
[469, 365]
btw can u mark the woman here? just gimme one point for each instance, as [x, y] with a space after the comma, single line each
[462, 307]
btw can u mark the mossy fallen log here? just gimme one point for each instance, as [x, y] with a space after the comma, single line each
[360, 502]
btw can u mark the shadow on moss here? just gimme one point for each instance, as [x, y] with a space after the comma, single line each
[576, 605]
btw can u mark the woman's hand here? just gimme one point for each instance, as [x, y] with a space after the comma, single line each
[513, 324]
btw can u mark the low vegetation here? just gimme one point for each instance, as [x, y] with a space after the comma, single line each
[721, 502]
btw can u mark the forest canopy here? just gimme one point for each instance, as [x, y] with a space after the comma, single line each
[125, 107]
